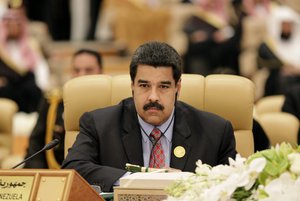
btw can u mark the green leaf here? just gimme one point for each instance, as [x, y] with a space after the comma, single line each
[241, 194]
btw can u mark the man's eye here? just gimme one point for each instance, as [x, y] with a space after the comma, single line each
[164, 86]
[144, 85]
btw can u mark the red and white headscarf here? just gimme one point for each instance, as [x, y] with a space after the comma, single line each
[28, 56]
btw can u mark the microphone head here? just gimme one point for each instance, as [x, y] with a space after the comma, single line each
[51, 144]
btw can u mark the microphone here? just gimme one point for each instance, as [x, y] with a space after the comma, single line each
[48, 146]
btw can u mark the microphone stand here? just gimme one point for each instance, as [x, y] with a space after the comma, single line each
[48, 146]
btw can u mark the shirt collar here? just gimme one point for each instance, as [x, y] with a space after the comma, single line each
[146, 128]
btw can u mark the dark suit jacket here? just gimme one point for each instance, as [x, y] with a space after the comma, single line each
[292, 101]
[20, 88]
[110, 137]
[38, 136]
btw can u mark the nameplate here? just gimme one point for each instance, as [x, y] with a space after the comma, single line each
[16, 187]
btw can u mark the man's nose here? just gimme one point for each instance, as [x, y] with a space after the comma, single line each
[154, 96]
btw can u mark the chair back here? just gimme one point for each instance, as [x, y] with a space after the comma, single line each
[8, 108]
[229, 96]
[121, 88]
[269, 104]
[80, 95]
[232, 97]
[280, 127]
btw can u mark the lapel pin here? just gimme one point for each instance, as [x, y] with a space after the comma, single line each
[179, 151]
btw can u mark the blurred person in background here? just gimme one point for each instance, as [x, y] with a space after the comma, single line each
[24, 72]
[280, 52]
[55, 14]
[257, 8]
[84, 62]
[66, 19]
[84, 18]
[291, 103]
[212, 41]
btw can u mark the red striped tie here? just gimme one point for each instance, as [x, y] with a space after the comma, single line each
[157, 157]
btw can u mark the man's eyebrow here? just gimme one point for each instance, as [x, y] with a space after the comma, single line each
[162, 82]
[166, 82]
[143, 81]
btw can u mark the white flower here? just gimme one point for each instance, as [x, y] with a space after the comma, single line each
[254, 168]
[202, 169]
[283, 188]
[239, 161]
[222, 191]
[269, 175]
[294, 159]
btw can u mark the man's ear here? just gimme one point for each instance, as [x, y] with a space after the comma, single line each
[178, 86]
[132, 92]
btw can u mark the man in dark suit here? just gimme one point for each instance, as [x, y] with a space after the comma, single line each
[291, 103]
[111, 137]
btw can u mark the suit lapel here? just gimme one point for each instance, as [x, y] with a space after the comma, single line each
[180, 140]
[131, 135]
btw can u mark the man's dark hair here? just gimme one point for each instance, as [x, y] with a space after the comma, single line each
[94, 53]
[156, 54]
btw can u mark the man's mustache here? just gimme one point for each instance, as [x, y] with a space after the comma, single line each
[153, 105]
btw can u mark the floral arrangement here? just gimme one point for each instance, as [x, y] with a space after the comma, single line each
[269, 175]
